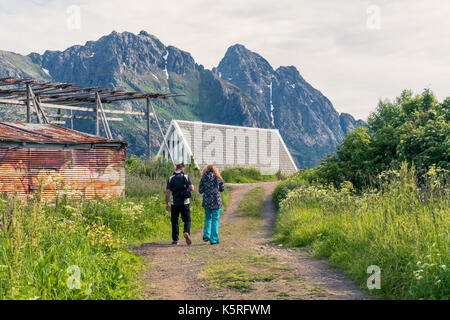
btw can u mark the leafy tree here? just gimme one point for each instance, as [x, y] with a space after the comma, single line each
[353, 160]
[412, 129]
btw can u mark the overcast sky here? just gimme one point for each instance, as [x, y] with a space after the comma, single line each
[354, 51]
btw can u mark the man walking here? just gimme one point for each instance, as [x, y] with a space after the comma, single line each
[178, 189]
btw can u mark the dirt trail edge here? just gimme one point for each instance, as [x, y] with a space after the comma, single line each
[243, 266]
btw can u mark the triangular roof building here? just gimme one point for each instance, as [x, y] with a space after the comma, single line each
[227, 146]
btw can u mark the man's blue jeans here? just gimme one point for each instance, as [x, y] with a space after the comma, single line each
[211, 230]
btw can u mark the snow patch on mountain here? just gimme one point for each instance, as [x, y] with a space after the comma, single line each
[166, 56]
[271, 104]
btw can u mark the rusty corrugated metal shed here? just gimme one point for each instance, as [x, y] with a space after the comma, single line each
[59, 161]
[47, 133]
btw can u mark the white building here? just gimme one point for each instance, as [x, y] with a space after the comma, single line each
[227, 146]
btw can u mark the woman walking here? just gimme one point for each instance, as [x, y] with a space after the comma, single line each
[211, 185]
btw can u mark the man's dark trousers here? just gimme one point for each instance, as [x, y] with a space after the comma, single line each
[185, 212]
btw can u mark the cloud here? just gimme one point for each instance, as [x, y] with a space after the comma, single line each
[327, 40]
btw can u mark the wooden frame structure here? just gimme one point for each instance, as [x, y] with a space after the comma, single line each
[39, 96]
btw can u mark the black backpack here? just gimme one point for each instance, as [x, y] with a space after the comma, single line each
[183, 189]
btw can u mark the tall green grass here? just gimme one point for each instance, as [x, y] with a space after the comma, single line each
[76, 249]
[146, 177]
[248, 175]
[302, 177]
[252, 204]
[403, 228]
[67, 250]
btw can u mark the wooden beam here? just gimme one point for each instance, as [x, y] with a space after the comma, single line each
[80, 117]
[104, 120]
[63, 107]
[28, 105]
[33, 98]
[149, 146]
[45, 105]
[162, 134]
[57, 106]
[71, 116]
[38, 103]
[97, 125]
[130, 113]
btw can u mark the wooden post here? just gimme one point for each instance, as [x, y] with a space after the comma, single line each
[38, 104]
[163, 136]
[97, 125]
[28, 105]
[35, 103]
[149, 146]
[104, 119]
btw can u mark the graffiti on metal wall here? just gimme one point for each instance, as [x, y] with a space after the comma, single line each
[83, 181]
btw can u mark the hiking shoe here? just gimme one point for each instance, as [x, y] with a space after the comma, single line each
[188, 238]
[205, 239]
[174, 242]
[214, 243]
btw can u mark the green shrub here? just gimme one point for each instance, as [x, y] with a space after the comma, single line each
[302, 177]
[154, 169]
[413, 128]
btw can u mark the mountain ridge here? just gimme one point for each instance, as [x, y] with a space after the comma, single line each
[243, 89]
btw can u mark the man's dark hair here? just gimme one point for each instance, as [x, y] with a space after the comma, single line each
[180, 166]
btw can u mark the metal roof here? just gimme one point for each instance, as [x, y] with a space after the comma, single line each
[17, 132]
[183, 123]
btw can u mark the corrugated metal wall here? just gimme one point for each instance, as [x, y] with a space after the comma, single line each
[87, 173]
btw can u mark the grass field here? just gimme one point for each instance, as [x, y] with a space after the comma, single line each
[248, 175]
[73, 249]
[402, 228]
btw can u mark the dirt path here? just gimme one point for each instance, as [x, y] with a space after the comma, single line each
[243, 266]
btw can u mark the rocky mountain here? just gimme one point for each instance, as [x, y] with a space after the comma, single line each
[242, 90]
[307, 120]
[17, 66]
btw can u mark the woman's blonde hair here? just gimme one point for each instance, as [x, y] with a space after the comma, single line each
[212, 168]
